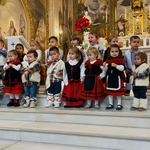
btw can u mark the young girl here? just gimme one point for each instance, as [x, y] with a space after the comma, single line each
[92, 87]
[71, 76]
[34, 45]
[114, 66]
[12, 79]
[76, 41]
[20, 48]
[111, 40]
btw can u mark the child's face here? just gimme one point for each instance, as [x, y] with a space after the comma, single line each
[72, 55]
[19, 48]
[114, 52]
[92, 39]
[114, 41]
[31, 58]
[12, 57]
[1, 45]
[135, 43]
[53, 43]
[74, 43]
[33, 46]
[54, 55]
[92, 56]
[138, 60]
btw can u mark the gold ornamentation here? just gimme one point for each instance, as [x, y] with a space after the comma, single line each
[47, 22]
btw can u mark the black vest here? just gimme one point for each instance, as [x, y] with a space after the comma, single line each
[73, 72]
[94, 70]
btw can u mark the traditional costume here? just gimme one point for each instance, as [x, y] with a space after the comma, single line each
[72, 80]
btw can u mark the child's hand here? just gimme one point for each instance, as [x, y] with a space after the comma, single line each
[134, 74]
[83, 78]
[27, 69]
[10, 65]
[58, 73]
[127, 71]
[114, 65]
[26, 73]
[7, 67]
[99, 77]
[104, 64]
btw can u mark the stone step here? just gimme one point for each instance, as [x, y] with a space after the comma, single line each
[102, 117]
[17, 145]
[42, 100]
[118, 138]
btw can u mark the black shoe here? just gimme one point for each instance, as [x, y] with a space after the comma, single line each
[79, 106]
[119, 107]
[17, 104]
[127, 93]
[68, 106]
[110, 106]
[10, 103]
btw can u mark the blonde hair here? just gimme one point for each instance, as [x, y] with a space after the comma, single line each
[93, 50]
[111, 37]
[77, 52]
[35, 43]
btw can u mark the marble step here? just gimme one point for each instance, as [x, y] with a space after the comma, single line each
[42, 100]
[17, 145]
[117, 138]
[102, 117]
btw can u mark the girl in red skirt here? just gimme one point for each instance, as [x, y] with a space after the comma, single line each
[92, 87]
[114, 66]
[12, 79]
[71, 76]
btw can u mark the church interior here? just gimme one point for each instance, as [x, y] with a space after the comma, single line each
[72, 128]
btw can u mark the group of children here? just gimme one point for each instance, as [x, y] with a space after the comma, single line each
[85, 75]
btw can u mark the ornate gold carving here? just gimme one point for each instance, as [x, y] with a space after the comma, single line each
[47, 22]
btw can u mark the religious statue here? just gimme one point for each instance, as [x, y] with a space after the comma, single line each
[121, 25]
[12, 30]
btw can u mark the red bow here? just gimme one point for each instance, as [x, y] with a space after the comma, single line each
[118, 45]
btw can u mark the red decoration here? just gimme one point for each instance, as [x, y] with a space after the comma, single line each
[118, 45]
[107, 38]
[82, 24]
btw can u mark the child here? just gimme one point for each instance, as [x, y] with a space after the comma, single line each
[3, 55]
[30, 78]
[111, 40]
[129, 60]
[20, 48]
[34, 45]
[114, 66]
[93, 40]
[53, 42]
[54, 77]
[72, 72]
[76, 41]
[140, 81]
[92, 87]
[12, 79]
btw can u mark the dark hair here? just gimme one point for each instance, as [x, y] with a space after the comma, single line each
[53, 37]
[1, 41]
[134, 37]
[142, 55]
[94, 33]
[54, 49]
[77, 37]
[77, 52]
[15, 52]
[33, 52]
[19, 45]
[114, 46]
[111, 37]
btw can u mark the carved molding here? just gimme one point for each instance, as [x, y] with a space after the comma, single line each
[47, 22]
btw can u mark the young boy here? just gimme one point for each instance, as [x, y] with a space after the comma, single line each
[30, 78]
[53, 42]
[140, 81]
[93, 40]
[54, 77]
[3, 59]
[129, 60]
[20, 48]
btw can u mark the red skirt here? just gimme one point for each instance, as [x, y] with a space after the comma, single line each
[119, 92]
[97, 93]
[15, 89]
[71, 94]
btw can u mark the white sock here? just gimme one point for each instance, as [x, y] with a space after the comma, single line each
[16, 96]
[96, 102]
[110, 99]
[11, 96]
[89, 102]
[119, 100]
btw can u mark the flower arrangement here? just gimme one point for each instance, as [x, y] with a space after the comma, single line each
[82, 25]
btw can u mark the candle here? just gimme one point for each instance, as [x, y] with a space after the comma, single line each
[125, 13]
[106, 15]
[115, 14]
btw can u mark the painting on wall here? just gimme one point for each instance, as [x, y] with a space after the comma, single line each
[14, 20]
[94, 10]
